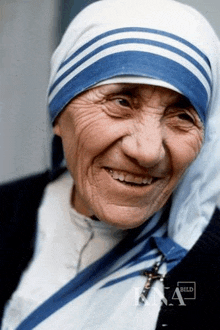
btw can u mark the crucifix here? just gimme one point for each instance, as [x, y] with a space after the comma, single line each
[152, 276]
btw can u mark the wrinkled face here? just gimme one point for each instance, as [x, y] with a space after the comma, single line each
[127, 146]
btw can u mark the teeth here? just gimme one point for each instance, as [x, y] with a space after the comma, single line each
[129, 178]
[147, 181]
[138, 180]
[115, 175]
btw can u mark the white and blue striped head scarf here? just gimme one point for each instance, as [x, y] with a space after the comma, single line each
[158, 42]
[109, 40]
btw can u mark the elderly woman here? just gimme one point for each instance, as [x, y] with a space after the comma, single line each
[132, 242]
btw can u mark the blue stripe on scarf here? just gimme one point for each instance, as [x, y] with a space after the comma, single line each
[172, 251]
[137, 64]
[132, 41]
[136, 29]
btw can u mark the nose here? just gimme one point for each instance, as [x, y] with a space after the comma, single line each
[145, 142]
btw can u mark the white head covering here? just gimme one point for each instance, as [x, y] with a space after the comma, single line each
[160, 42]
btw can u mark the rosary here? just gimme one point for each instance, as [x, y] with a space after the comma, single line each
[152, 276]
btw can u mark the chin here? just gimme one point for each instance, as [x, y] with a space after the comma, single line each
[124, 217]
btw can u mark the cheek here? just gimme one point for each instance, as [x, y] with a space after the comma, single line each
[97, 136]
[89, 139]
[183, 149]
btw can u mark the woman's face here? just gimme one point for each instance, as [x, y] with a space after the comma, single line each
[127, 146]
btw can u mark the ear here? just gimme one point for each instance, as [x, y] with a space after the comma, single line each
[56, 128]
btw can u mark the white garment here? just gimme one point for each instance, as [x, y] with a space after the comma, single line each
[67, 242]
[63, 237]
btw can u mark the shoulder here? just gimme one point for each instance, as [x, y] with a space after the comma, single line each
[204, 257]
[19, 188]
[18, 208]
[20, 200]
[21, 197]
[198, 274]
[208, 245]
[19, 205]
[25, 193]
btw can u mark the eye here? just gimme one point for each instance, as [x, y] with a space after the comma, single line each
[182, 119]
[122, 102]
[118, 107]
[185, 116]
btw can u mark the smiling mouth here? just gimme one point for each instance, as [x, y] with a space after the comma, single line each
[130, 179]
